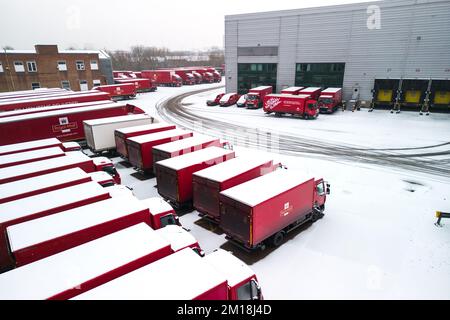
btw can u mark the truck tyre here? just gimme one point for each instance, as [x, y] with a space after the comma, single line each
[278, 239]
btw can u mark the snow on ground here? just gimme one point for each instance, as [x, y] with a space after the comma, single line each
[377, 239]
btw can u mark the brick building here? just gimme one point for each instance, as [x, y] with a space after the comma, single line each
[46, 66]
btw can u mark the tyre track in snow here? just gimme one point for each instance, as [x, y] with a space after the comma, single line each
[172, 110]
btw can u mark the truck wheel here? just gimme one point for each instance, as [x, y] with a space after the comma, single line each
[278, 239]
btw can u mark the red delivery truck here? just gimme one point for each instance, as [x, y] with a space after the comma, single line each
[229, 99]
[14, 159]
[118, 190]
[39, 238]
[120, 135]
[292, 90]
[102, 178]
[52, 101]
[66, 125]
[140, 147]
[180, 239]
[208, 183]
[38, 144]
[163, 77]
[44, 183]
[186, 76]
[141, 85]
[215, 101]
[216, 75]
[174, 176]
[70, 160]
[263, 210]
[198, 77]
[314, 92]
[330, 100]
[179, 147]
[200, 279]
[300, 105]
[161, 213]
[255, 97]
[79, 269]
[119, 91]
[99, 132]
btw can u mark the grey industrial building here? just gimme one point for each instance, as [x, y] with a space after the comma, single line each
[363, 46]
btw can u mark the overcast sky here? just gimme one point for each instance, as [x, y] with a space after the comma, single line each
[119, 24]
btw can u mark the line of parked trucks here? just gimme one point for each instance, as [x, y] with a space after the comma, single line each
[297, 101]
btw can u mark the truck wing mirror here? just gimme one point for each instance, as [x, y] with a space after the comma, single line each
[328, 188]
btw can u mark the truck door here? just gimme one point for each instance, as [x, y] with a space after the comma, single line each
[249, 290]
[321, 193]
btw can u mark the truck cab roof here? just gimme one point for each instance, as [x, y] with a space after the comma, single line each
[157, 205]
[177, 237]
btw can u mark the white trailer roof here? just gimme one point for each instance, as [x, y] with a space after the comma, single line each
[231, 168]
[41, 165]
[15, 147]
[68, 269]
[181, 276]
[225, 263]
[195, 140]
[310, 89]
[14, 188]
[9, 159]
[56, 96]
[292, 89]
[260, 189]
[157, 205]
[331, 90]
[177, 237]
[158, 135]
[38, 115]
[155, 125]
[260, 88]
[28, 206]
[192, 158]
[28, 233]
[118, 119]
[290, 96]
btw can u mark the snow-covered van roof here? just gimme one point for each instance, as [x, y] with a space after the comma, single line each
[225, 263]
[260, 189]
[158, 135]
[331, 90]
[177, 236]
[183, 275]
[118, 119]
[29, 206]
[37, 166]
[154, 125]
[29, 233]
[50, 276]
[12, 158]
[231, 168]
[11, 189]
[195, 157]
[22, 146]
[310, 89]
[195, 140]
[157, 205]
[226, 97]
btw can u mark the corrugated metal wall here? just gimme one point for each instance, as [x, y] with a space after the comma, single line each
[413, 41]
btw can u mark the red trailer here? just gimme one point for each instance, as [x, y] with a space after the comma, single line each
[263, 210]
[330, 100]
[39, 238]
[82, 268]
[119, 91]
[38, 144]
[215, 101]
[300, 105]
[255, 96]
[140, 147]
[208, 183]
[53, 95]
[187, 77]
[66, 125]
[174, 176]
[314, 92]
[161, 213]
[229, 99]
[187, 145]
[163, 77]
[31, 93]
[52, 101]
[70, 160]
[142, 85]
[120, 135]
[292, 90]
[14, 159]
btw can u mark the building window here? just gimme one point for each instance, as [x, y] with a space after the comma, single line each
[80, 65]
[84, 85]
[18, 66]
[320, 74]
[62, 66]
[35, 85]
[97, 82]
[94, 65]
[251, 75]
[1, 67]
[31, 65]
[65, 84]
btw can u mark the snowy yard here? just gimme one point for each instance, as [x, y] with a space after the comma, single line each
[377, 239]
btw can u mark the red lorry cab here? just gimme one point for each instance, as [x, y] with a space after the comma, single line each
[263, 210]
[141, 85]
[186, 76]
[215, 101]
[119, 91]
[255, 97]
[198, 77]
[14, 159]
[229, 99]
[330, 100]
[299, 105]
[292, 90]
[161, 213]
[314, 92]
[163, 77]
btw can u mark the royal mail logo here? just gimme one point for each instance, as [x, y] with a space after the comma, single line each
[118, 90]
[287, 209]
[272, 103]
[64, 127]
